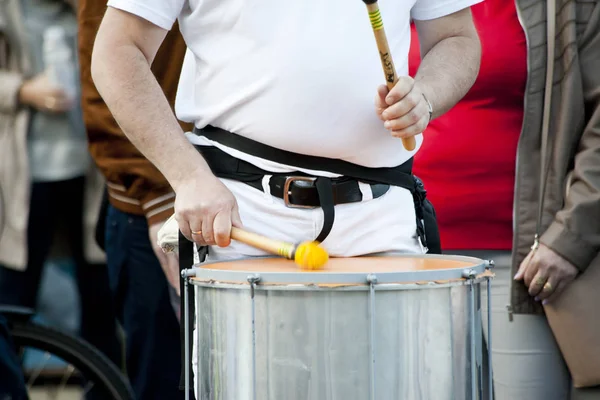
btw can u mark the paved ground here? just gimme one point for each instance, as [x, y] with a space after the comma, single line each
[66, 394]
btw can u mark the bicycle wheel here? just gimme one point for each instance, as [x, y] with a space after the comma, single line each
[96, 372]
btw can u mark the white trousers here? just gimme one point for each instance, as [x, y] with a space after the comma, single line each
[385, 224]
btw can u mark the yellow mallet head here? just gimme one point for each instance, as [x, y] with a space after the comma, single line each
[310, 255]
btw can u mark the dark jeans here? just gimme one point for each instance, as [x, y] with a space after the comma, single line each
[53, 203]
[142, 297]
[12, 385]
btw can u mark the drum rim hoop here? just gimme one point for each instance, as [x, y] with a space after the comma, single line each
[342, 278]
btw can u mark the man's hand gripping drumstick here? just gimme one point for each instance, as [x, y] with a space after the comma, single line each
[407, 105]
[387, 96]
[308, 255]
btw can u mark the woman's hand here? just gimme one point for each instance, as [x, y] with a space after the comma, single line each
[546, 273]
[42, 95]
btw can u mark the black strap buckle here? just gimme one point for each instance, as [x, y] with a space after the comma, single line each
[420, 194]
[287, 192]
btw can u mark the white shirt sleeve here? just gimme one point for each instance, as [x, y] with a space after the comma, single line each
[431, 9]
[162, 13]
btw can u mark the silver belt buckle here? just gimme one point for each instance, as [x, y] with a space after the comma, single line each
[286, 190]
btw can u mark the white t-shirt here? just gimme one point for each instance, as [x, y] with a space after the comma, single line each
[299, 75]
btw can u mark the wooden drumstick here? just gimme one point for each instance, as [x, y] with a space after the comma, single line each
[308, 255]
[391, 77]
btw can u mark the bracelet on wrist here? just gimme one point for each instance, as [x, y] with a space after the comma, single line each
[429, 107]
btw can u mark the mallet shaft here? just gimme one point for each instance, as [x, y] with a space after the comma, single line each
[272, 246]
[389, 70]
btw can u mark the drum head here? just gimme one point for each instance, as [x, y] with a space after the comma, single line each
[354, 271]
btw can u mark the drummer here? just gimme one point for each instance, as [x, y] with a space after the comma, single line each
[307, 88]
[299, 76]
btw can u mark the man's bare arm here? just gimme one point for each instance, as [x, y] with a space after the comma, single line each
[123, 52]
[124, 49]
[451, 54]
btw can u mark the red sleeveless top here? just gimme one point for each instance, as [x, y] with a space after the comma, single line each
[467, 160]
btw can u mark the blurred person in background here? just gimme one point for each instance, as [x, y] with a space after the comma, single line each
[46, 177]
[12, 382]
[139, 200]
[481, 163]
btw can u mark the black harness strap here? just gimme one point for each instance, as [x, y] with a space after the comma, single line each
[396, 176]
[325, 190]
[400, 176]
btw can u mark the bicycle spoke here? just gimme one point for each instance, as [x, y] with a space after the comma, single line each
[66, 376]
[38, 370]
[87, 388]
[54, 396]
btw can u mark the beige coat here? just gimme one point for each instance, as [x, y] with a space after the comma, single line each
[571, 208]
[15, 180]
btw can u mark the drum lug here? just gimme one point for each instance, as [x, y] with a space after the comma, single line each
[371, 279]
[253, 280]
[188, 273]
[509, 309]
[469, 274]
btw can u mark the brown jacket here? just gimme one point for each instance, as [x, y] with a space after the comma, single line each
[571, 213]
[134, 185]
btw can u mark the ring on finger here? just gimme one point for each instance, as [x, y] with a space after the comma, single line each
[547, 287]
[197, 233]
[540, 281]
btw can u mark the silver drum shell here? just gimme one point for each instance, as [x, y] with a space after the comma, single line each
[303, 342]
